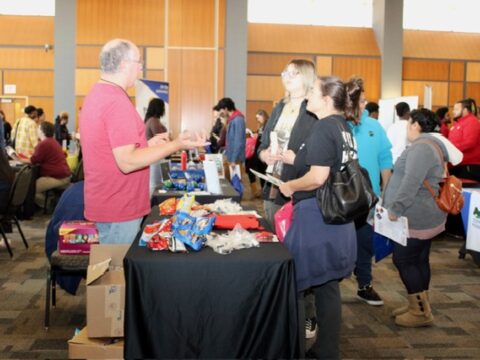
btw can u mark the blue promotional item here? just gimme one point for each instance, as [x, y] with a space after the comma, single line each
[237, 184]
[382, 246]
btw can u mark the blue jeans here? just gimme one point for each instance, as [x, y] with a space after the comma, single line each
[118, 232]
[363, 265]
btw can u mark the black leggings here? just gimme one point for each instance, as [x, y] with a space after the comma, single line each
[412, 262]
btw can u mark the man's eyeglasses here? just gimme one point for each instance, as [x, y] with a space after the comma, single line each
[289, 74]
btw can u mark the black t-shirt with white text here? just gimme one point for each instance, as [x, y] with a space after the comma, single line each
[323, 147]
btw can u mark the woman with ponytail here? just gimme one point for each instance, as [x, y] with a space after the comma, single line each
[324, 254]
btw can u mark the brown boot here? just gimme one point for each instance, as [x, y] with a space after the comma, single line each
[419, 312]
[400, 310]
[403, 309]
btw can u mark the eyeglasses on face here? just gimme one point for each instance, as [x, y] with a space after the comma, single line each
[289, 73]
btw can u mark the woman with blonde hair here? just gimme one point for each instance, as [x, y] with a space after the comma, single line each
[291, 124]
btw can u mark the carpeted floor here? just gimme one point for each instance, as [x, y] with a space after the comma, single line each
[367, 332]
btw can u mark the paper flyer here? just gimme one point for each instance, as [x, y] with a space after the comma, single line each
[395, 230]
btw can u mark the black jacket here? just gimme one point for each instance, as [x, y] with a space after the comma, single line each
[300, 131]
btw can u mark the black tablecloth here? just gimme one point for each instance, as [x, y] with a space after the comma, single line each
[206, 305]
[227, 192]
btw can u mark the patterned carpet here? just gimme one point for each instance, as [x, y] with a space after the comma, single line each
[367, 333]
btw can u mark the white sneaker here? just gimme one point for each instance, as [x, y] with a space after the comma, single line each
[310, 328]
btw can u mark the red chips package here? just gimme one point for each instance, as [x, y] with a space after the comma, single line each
[159, 242]
[168, 207]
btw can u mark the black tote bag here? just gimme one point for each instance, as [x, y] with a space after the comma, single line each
[347, 194]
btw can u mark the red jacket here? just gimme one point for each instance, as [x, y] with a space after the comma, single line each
[465, 135]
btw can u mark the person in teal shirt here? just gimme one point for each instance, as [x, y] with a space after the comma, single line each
[374, 150]
[374, 154]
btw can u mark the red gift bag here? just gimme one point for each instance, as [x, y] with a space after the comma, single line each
[250, 144]
[283, 220]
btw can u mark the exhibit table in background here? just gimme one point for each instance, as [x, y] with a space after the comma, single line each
[467, 193]
[206, 305]
[227, 192]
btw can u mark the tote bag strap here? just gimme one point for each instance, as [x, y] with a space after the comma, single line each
[346, 145]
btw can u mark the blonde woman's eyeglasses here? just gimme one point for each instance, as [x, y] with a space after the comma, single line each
[289, 74]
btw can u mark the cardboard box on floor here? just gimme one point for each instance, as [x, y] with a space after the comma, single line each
[106, 291]
[81, 347]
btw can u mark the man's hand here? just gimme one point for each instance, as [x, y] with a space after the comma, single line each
[187, 140]
[159, 139]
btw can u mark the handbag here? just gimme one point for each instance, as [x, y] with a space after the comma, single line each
[250, 144]
[283, 220]
[346, 194]
[450, 197]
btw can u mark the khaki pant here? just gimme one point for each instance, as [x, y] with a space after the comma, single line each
[45, 183]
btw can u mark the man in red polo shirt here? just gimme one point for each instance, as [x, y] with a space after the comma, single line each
[465, 135]
[116, 154]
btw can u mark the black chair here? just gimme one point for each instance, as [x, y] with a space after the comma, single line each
[62, 265]
[18, 194]
[53, 195]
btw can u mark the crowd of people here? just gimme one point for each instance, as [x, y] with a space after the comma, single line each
[39, 142]
[307, 137]
[311, 125]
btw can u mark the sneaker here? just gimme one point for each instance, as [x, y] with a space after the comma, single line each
[370, 296]
[310, 328]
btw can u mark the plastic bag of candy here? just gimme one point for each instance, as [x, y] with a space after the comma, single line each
[175, 245]
[148, 232]
[196, 237]
[159, 242]
[185, 203]
[236, 239]
[203, 225]
[182, 221]
[165, 225]
[193, 233]
[168, 207]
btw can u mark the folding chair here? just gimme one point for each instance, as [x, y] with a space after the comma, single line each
[18, 193]
[61, 265]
